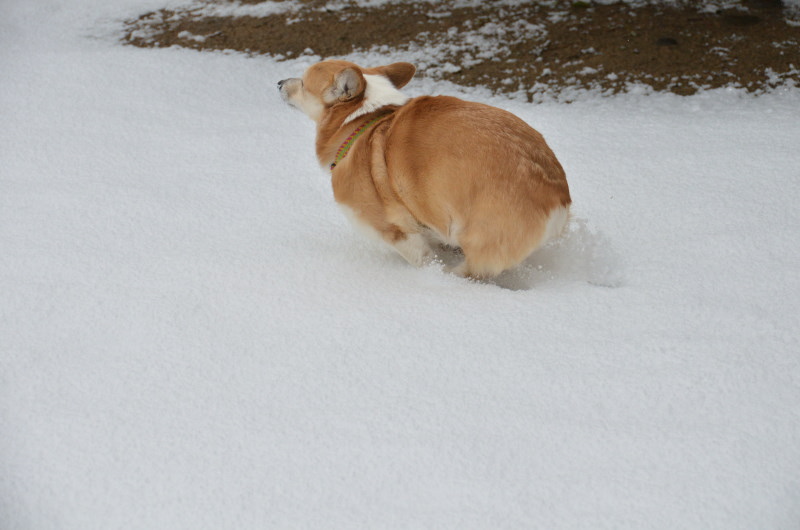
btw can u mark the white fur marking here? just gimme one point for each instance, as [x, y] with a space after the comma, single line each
[379, 93]
[311, 107]
[556, 222]
[415, 249]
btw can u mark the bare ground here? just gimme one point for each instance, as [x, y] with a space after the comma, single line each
[533, 47]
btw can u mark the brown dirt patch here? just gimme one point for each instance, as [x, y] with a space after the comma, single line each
[525, 46]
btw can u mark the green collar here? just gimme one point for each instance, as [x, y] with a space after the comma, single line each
[348, 143]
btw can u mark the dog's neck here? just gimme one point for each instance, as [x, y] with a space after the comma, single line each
[350, 140]
[380, 92]
[380, 98]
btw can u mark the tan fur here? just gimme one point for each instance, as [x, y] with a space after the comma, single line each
[435, 168]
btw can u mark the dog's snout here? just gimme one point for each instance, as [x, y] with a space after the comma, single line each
[289, 85]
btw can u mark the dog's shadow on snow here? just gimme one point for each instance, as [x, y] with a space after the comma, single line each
[579, 255]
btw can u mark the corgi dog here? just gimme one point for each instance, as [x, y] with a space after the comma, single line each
[432, 171]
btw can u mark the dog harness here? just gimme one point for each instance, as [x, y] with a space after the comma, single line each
[350, 140]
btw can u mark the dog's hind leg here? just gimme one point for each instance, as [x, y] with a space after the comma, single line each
[489, 249]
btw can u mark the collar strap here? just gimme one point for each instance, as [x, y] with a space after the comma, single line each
[350, 140]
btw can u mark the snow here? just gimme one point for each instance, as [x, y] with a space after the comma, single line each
[192, 336]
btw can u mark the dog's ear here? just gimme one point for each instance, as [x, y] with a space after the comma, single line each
[347, 84]
[398, 73]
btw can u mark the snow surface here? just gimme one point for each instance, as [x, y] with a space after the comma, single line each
[192, 336]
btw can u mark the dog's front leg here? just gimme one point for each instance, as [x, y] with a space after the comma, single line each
[413, 247]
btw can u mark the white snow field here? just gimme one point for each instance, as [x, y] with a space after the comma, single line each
[193, 337]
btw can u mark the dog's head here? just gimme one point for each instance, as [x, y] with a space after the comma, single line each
[347, 86]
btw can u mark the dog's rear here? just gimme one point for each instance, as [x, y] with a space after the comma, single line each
[479, 177]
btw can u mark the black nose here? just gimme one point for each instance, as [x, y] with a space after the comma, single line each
[281, 82]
